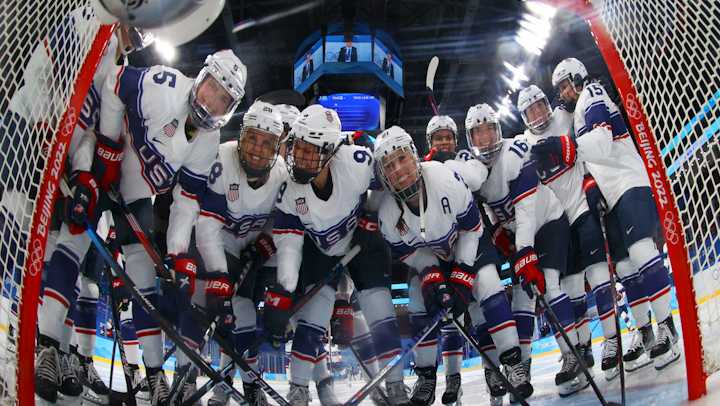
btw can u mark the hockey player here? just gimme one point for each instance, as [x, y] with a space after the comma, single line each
[531, 211]
[172, 129]
[235, 210]
[321, 214]
[603, 142]
[432, 224]
[587, 255]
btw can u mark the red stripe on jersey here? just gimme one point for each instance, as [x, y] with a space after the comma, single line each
[524, 195]
[288, 231]
[117, 81]
[212, 215]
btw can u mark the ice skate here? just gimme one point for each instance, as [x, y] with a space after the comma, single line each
[159, 390]
[326, 393]
[95, 390]
[638, 355]
[299, 395]
[397, 394]
[423, 393]
[570, 379]
[609, 363]
[495, 387]
[70, 386]
[453, 390]
[665, 351]
[254, 395]
[47, 369]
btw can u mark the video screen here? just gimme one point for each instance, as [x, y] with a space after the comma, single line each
[307, 63]
[342, 48]
[388, 62]
[357, 111]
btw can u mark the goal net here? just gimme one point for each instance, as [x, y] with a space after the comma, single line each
[49, 53]
[663, 58]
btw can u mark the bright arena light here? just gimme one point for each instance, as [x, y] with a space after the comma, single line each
[541, 9]
[165, 50]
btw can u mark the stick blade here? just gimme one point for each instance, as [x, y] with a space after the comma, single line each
[430, 76]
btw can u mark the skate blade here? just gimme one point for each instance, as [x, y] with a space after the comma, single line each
[572, 387]
[89, 397]
[642, 362]
[456, 402]
[64, 400]
[662, 361]
[611, 373]
[42, 402]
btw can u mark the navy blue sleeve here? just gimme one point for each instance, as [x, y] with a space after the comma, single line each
[525, 184]
[213, 204]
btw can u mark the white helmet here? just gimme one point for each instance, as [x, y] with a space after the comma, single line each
[175, 21]
[526, 98]
[318, 126]
[231, 74]
[289, 114]
[572, 70]
[131, 39]
[386, 145]
[256, 160]
[476, 116]
[440, 123]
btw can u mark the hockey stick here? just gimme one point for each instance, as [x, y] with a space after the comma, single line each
[196, 313]
[487, 361]
[430, 83]
[558, 327]
[166, 327]
[119, 343]
[371, 384]
[186, 369]
[616, 308]
[368, 374]
[207, 386]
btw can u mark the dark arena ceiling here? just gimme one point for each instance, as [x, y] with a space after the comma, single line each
[476, 41]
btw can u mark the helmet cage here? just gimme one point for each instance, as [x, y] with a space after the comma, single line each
[538, 125]
[410, 191]
[486, 154]
[248, 148]
[315, 165]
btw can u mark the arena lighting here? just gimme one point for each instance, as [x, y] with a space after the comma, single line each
[541, 9]
[165, 50]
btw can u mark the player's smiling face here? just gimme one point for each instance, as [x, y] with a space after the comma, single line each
[484, 136]
[212, 96]
[400, 169]
[538, 113]
[443, 140]
[567, 92]
[259, 148]
[307, 156]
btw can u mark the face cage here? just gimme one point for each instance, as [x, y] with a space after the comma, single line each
[428, 137]
[540, 124]
[488, 154]
[413, 189]
[199, 113]
[247, 167]
[569, 106]
[305, 176]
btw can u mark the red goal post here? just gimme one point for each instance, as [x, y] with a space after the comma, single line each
[653, 51]
[49, 60]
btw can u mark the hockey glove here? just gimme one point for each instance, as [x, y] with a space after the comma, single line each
[106, 165]
[596, 201]
[218, 294]
[552, 151]
[362, 139]
[527, 269]
[278, 307]
[341, 323]
[436, 293]
[367, 230]
[462, 279]
[122, 294]
[502, 239]
[81, 206]
[253, 257]
[184, 270]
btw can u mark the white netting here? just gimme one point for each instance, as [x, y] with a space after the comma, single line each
[43, 45]
[671, 50]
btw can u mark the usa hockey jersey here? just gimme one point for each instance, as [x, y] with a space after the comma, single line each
[564, 180]
[452, 221]
[149, 108]
[513, 192]
[232, 213]
[329, 223]
[605, 145]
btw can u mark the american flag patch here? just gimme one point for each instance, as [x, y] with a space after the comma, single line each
[301, 206]
[234, 192]
[169, 128]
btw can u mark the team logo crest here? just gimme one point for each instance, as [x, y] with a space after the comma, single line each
[234, 192]
[329, 116]
[169, 128]
[301, 206]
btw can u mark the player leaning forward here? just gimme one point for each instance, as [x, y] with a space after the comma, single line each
[587, 255]
[235, 209]
[318, 220]
[603, 142]
[534, 214]
[433, 225]
[172, 130]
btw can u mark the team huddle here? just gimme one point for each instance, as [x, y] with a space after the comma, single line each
[268, 217]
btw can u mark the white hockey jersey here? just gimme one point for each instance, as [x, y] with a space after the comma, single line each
[329, 223]
[605, 145]
[149, 108]
[565, 181]
[452, 221]
[232, 213]
[473, 172]
[517, 199]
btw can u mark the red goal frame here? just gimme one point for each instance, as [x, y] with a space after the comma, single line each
[662, 192]
[42, 214]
